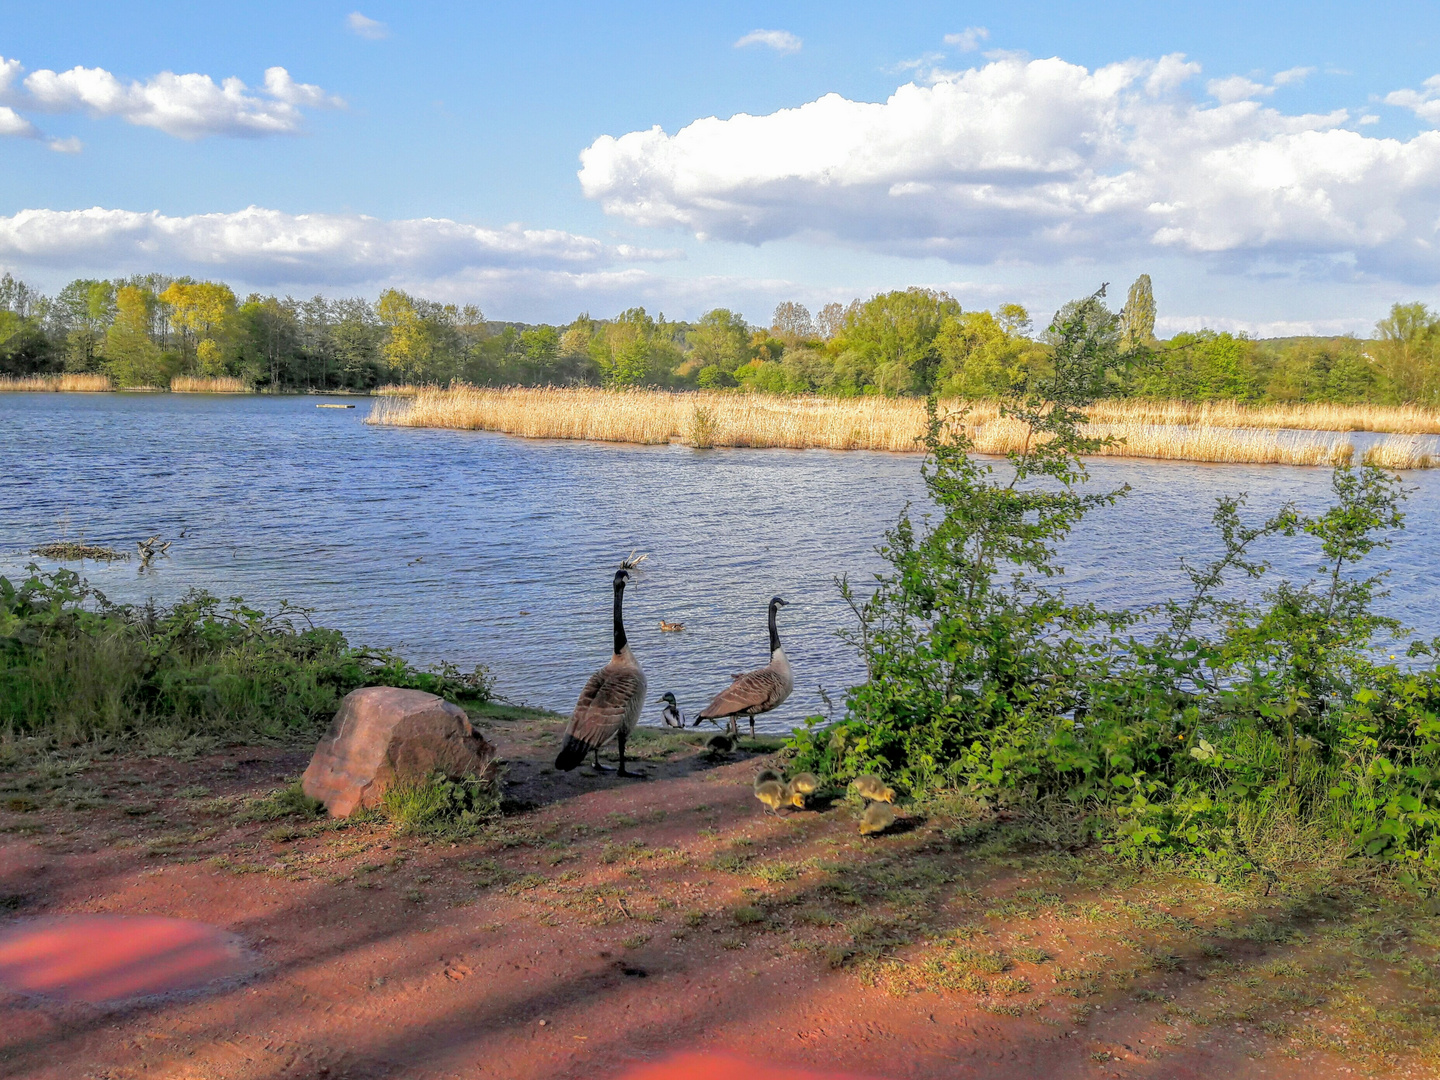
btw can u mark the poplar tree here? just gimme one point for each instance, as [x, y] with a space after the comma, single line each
[1137, 319]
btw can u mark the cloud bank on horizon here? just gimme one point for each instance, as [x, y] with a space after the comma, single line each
[1026, 160]
[1008, 165]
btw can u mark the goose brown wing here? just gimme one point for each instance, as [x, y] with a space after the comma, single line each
[605, 705]
[759, 690]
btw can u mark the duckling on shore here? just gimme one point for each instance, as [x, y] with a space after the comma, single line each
[719, 744]
[764, 776]
[872, 788]
[878, 817]
[802, 786]
[773, 794]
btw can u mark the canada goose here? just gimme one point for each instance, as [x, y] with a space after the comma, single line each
[671, 713]
[773, 794]
[609, 706]
[802, 786]
[878, 817]
[873, 788]
[757, 691]
[671, 627]
[719, 744]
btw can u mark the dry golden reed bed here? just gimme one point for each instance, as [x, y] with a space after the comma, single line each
[1400, 419]
[1403, 452]
[870, 423]
[225, 384]
[84, 384]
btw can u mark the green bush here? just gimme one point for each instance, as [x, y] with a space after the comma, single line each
[75, 666]
[1234, 731]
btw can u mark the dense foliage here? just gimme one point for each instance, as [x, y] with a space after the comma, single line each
[1238, 730]
[144, 331]
[75, 666]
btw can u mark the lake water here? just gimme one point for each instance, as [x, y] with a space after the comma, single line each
[481, 548]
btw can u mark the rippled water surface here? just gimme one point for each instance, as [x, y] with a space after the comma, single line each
[472, 547]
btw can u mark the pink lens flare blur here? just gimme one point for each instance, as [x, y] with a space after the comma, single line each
[104, 958]
[724, 1067]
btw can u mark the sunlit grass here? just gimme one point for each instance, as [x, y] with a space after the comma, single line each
[72, 383]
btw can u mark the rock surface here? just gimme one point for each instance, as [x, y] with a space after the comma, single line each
[381, 734]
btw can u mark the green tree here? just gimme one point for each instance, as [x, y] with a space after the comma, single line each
[892, 336]
[720, 339]
[1137, 317]
[131, 356]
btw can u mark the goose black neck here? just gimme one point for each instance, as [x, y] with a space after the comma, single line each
[619, 625]
[774, 634]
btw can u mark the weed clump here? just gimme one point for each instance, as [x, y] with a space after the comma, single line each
[443, 808]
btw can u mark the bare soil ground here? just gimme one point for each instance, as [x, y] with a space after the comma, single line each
[606, 923]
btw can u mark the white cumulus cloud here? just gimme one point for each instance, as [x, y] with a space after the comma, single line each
[365, 27]
[1236, 88]
[189, 106]
[265, 246]
[12, 123]
[1424, 103]
[782, 41]
[1039, 159]
[969, 39]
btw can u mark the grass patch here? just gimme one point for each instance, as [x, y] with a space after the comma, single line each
[442, 808]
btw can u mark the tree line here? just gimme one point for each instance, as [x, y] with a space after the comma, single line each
[145, 330]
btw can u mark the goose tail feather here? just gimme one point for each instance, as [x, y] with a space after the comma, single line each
[572, 754]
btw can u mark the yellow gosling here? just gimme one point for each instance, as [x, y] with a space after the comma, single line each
[878, 817]
[873, 788]
[773, 794]
[765, 776]
[802, 786]
[1401, 452]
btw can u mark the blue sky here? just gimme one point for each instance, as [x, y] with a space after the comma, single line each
[1273, 170]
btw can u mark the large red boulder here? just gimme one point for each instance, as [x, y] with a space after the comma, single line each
[381, 734]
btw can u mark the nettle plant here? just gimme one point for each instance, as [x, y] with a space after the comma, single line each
[1215, 726]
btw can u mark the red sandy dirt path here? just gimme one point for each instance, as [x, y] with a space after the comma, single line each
[361, 977]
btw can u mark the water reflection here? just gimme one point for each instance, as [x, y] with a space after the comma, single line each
[473, 547]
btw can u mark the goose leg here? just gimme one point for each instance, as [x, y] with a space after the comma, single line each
[752, 726]
[604, 768]
[623, 771]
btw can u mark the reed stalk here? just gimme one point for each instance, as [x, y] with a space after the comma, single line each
[69, 383]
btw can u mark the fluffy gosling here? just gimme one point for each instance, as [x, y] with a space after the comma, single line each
[764, 776]
[873, 789]
[802, 786]
[878, 817]
[773, 794]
